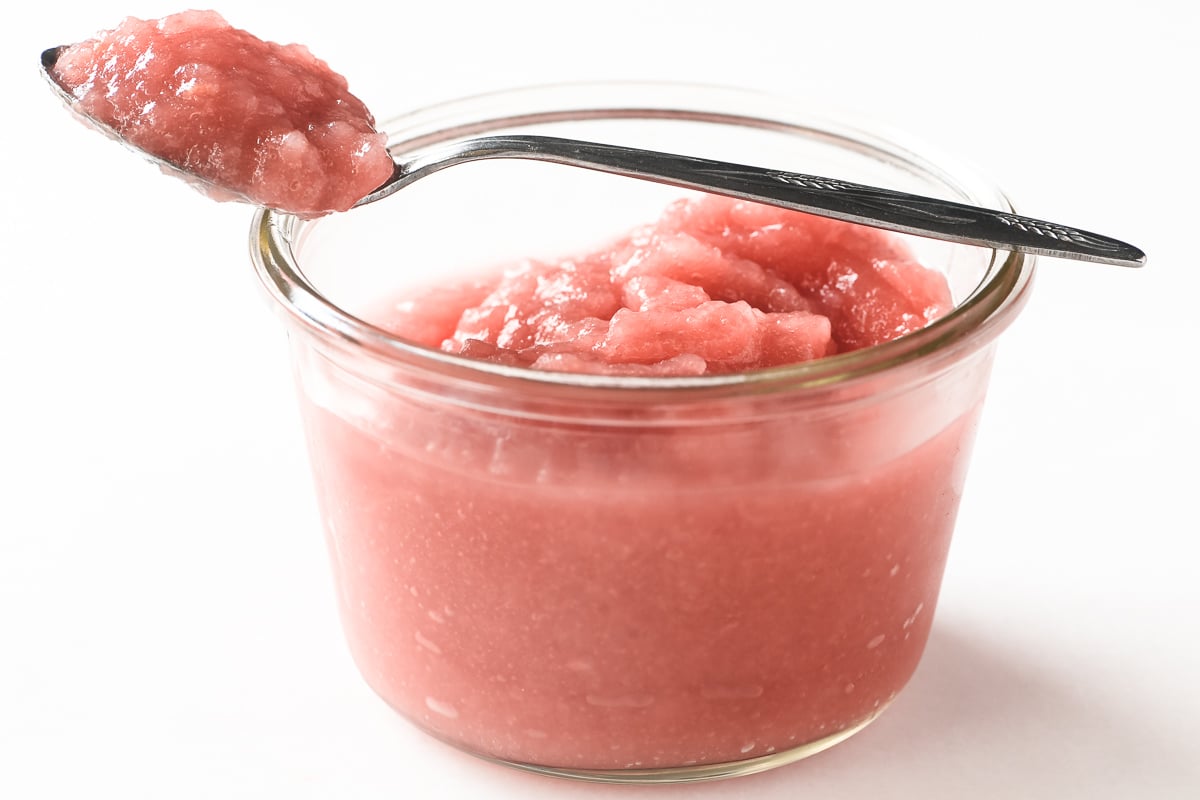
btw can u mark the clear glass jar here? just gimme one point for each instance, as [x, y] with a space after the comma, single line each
[623, 578]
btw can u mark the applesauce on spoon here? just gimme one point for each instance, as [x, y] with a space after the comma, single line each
[238, 117]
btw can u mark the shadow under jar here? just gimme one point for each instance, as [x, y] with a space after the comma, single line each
[628, 579]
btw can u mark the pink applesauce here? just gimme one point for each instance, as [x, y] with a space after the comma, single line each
[716, 286]
[267, 123]
[646, 584]
[626, 533]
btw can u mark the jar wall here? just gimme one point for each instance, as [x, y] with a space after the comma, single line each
[580, 594]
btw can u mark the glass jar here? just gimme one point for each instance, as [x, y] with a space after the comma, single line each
[625, 578]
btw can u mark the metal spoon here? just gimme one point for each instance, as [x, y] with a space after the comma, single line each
[828, 197]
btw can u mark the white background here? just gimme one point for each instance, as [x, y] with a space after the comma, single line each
[167, 625]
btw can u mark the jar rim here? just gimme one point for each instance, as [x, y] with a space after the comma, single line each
[974, 321]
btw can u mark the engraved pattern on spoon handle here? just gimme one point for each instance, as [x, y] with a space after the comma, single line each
[889, 209]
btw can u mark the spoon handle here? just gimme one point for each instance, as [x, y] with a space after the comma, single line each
[828, 197]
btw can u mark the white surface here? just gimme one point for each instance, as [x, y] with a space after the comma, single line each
[166, 620]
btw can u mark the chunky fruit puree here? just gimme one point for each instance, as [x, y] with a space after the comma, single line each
[649, 587]
[588, 573]
[715, 286]
[259, 121]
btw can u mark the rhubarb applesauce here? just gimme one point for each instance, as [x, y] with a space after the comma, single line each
[247, 119]
[667, 507]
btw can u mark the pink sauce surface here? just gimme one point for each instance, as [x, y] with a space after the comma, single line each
[715, 286]
[260, 121]
[650, 593]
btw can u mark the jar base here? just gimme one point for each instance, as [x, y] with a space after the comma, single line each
[694, 773]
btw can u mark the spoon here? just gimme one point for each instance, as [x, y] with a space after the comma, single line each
[828, 197]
